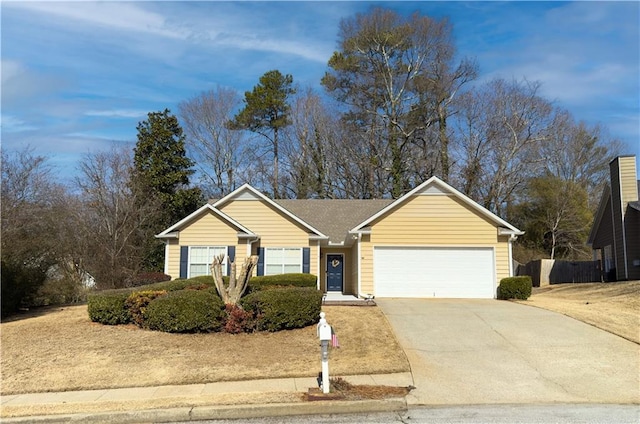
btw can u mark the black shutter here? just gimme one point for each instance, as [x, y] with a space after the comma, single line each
[231, 257]
[260, 270]
[184, 261]
[306, 260]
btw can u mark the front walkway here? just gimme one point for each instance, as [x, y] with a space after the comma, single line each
[337, 298]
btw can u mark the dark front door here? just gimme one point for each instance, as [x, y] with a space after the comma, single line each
[335, 266]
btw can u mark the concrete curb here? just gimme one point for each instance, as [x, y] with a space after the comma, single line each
[200, 413]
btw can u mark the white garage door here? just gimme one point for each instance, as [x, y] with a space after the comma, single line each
[434, 272]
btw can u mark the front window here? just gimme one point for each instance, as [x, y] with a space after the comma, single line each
[283, 260]
[200, 258]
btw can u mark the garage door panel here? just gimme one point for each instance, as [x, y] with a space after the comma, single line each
[434, 272]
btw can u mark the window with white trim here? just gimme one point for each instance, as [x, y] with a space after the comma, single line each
[200, 258]
[282, 260]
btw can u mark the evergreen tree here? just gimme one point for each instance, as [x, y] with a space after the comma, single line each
[162, 169]
[266, 111]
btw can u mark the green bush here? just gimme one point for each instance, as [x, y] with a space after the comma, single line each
[109, 307]
[515, 288]
[137, 303]
[284, 308]
[19, 284]
[282, 280]
[186, 311]
[176, 285]
[147, 278]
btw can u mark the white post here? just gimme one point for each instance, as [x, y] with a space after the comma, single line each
[324, 333]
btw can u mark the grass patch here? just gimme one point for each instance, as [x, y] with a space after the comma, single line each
[609, 306]
[60, 349]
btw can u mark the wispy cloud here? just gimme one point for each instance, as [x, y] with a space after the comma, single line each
[117, 113]
[12, 124]
[117, 16]
[77, 75]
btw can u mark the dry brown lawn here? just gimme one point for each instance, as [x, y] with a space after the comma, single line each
[60, 349]
[614, 307]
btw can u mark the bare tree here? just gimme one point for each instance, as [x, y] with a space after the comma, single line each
[397, 76]
[34, 213]
[504, 127]
[117, 216]
[308, 151]
[578, 153]
[232, 292]
[212, 144]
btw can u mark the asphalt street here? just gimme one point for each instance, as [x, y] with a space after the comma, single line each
[499, 414]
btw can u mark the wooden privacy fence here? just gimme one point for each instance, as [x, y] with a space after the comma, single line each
[549, 271]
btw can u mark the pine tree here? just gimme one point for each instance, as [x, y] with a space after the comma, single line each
[266, 111]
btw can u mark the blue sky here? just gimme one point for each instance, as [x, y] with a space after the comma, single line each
[77, 77]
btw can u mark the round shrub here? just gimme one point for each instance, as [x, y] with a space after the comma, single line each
[515, 288]
[109, 307]
[175, 285]
[284, 308]
[137, 303]
[186, 311]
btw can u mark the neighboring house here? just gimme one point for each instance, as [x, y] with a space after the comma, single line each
[615, 235]
[432, 242]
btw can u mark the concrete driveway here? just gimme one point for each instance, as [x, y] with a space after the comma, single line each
[489, 351]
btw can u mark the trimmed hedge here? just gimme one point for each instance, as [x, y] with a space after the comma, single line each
[147, 278]
[282, 280]
[176, 285]
[137, 303]
[284, 308]
[109, 307]
[186, 311]
[515, 288]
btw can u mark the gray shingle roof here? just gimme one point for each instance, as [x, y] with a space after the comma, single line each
[333, 217]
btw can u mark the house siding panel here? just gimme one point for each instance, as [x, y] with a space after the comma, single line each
[604, 233]
[433, 220]
[274, 228]
[173, 260]
[632, 220]
[354, 269]
[623, 190]
[206, 230]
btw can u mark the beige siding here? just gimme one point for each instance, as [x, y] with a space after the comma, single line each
[274, 228]
[628, 176]
[173, 259]
[354, 270]
[206, 230]
[366, 265]
[433, 220]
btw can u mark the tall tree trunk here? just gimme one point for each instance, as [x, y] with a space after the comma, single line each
[276, 195]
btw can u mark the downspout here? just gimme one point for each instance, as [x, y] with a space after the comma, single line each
[512, 238]
[166, 257]
[359, 266]
[318, 265]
